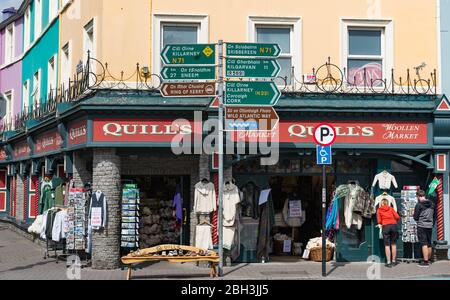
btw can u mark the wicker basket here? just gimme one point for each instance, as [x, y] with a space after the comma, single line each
[315, 254]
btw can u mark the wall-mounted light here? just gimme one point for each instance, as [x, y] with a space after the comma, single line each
[145, 71]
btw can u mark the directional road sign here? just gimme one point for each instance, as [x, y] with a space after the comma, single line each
[195, 89]
[253, 50]
[251, 93]
[260, 118]
[189, 73]
[248, 67]
[193, 54]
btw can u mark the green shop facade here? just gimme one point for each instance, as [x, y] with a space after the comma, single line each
[112, 137]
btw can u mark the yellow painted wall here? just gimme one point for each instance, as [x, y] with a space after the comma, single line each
[415, 31]
[72, 22]
[123, 32]
[125, 27]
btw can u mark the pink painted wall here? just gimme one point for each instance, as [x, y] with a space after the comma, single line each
[11, 75]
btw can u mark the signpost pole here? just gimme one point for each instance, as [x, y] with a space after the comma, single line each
[324, 204]
[220, 212]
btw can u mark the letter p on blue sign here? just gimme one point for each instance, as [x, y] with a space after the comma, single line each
[324, 155]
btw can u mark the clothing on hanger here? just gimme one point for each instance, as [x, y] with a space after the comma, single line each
[203, 237]
[204, 198]
[98, 210]
[385, 180]
[177, 204]
[389, 198]
[60, 226]
[250, 199]
[230, 199]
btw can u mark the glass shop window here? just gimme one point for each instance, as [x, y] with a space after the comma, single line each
[179, 34]
[283, 37]
[365, 57]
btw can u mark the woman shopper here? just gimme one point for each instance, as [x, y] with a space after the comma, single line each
[387, 217]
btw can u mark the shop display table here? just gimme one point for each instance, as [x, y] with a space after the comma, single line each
[173, 254]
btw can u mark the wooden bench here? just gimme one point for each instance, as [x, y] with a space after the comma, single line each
[155, 254]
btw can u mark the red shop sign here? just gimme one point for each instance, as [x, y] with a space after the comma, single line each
[50, 141]
[143, 130]
[21, 150]
[77, 133]
[347, 133]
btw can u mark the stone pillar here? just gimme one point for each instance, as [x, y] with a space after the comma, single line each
[106, 177]
[20, 198]
[81, 175]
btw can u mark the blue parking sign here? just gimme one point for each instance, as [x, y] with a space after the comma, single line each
[324, 155]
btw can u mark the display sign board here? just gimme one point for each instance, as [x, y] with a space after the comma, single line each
[250, 118]
[193, 54]
[252, 50]
[251, 93]
[195, 89]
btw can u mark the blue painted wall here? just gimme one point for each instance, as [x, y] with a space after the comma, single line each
[38, 56]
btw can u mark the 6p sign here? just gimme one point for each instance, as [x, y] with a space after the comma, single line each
[324, 135]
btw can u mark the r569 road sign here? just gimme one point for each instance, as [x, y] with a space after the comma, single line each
[324, 135]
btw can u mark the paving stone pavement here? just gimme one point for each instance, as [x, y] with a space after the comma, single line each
[22, 259]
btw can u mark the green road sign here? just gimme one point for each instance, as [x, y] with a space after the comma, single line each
[251, 93]
[195, 54]
[248, 67]
[253, 50]
[189, 73]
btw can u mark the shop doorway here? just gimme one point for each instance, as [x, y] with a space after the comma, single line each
[308, 190]
[158, 224]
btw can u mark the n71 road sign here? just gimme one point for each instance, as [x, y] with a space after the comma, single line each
[194, 54]
[253, 50]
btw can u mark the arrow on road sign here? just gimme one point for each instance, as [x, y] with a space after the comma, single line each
[251, 93]
[189, 73]
[248, 67]
[193, 54]
[243, 118]
[195, 89]
[253, 50]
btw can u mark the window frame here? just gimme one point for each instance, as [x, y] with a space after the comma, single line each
[10, 47]
[9, 105]
[65, 78]
[50, 84]
[37, 83]
[160, 20]
[26, 95]
[295, 23]
[37, 19]
[52, 9]
[27, 29]
[91, 25]
[387, 44]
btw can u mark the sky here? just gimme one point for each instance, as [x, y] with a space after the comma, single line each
[9, 3]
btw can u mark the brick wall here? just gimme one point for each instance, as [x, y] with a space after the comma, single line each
[106, 177]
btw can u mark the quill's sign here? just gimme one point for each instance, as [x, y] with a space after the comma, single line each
[346, 133]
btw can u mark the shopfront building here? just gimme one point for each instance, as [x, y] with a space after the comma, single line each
[104, 148]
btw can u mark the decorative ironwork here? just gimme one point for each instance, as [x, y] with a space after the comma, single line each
[327, 79]
[330, 79]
